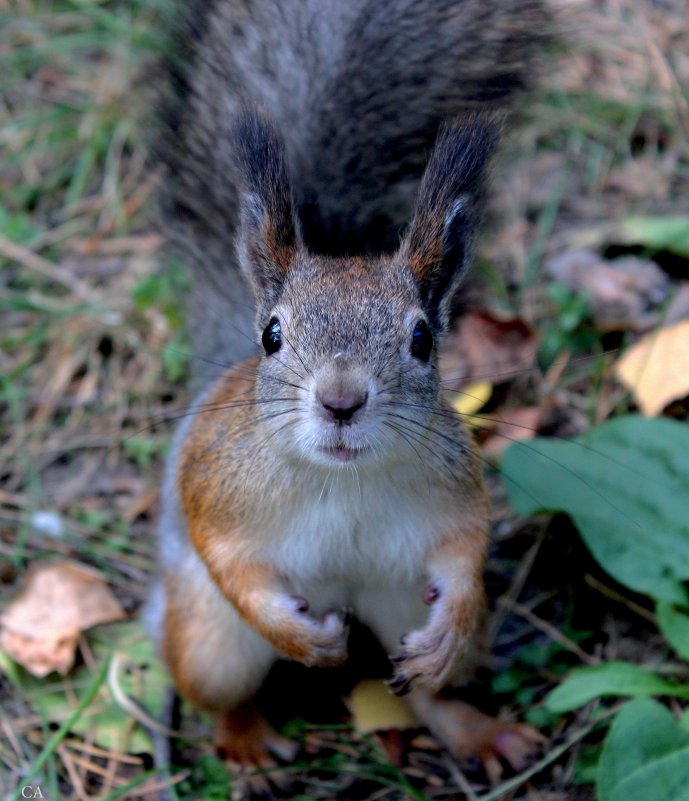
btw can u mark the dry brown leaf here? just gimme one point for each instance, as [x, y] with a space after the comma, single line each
[489, 346]
[514, 425]
[678, 308]
[644, 177]
[375, 708]
[622, 293]
[656, 369]
[41, 626]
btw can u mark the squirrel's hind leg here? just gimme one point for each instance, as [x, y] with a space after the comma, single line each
[244, 737]
[219, 663]
[466, 732]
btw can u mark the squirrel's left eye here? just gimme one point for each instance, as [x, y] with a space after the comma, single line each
[272, 336]
[421, 341]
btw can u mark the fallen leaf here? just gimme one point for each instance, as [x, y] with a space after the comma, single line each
[622, 293]
[425, 742]
[643, 178]
[375, 708]
[472, 398]
[514, 425]
[487, 346]
[41, 626]
[678, 308]
[393, 741]
[658, 233]
[140, 505]
[656, 368]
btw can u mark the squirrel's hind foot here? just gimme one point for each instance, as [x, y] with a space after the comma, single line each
[245, 739]
[468, 732]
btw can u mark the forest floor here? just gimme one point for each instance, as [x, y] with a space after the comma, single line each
[93, 373]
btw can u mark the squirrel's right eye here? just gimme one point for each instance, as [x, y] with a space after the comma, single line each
[272, 336]
[422, 341]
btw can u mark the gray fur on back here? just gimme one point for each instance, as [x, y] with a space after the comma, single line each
[358, 89]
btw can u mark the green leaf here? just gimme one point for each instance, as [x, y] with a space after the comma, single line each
[675, 627]
[625, 484]
[586, 766]
[176, 358]
[144, 680]
[634, 759]
[610, 679]
[658, 233]
[141, 449]
[17, 227]
[666, 779]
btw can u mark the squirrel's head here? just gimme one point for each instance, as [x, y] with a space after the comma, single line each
[349, 345]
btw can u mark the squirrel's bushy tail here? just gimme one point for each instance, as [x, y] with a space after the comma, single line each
[358, 89]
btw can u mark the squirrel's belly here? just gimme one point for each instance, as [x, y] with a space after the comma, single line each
[358, 533]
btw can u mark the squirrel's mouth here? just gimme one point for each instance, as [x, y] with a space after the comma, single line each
[342, 452]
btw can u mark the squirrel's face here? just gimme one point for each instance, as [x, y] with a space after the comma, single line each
[349, 372]
[350, 351]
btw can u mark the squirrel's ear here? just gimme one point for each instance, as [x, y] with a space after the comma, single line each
[269, 233]
[438, 246]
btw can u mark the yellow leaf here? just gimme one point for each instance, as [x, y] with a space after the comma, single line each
[375, 708]
[656, 369]
[472, 398]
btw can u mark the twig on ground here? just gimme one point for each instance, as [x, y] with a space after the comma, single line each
[548, 628]
[553, 755]
[44, 268]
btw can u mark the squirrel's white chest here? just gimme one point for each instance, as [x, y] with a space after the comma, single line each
[357, 528]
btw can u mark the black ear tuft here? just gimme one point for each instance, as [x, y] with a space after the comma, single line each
[269, 235]
[439, 243]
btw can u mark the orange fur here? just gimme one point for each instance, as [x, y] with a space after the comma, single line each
[450, 642]
[243, 736]
[209, 458]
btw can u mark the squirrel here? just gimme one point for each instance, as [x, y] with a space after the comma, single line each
[319, 473]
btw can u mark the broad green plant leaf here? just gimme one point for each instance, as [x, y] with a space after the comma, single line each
[658, 233]
[675, 626]
[625, 484]
[644, 756]
[610, 679]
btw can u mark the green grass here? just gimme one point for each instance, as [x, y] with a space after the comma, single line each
[93, 357]
[76, 82]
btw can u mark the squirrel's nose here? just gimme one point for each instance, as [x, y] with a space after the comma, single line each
[342, 405]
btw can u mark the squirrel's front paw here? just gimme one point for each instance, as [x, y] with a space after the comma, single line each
[312, 641]
[427, 657]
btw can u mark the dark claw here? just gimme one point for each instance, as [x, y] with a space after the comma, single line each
[396, 660]
[403, 685]
[302, 604]
[403, 639]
